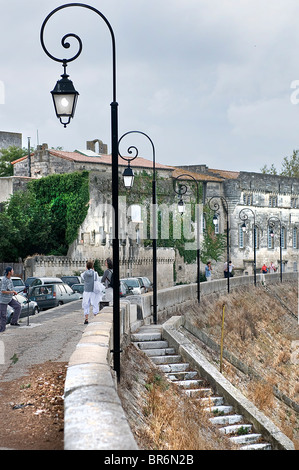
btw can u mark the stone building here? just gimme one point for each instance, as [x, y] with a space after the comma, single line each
[265, 200]
[259, 196]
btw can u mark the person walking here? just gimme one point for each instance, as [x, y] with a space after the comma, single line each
[208, 271]
[6, 298]
[107, 280]
[90, 298]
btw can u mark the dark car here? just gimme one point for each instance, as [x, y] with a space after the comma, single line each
[52, 295]
[78, 288]
[70, 280]
[33, 307]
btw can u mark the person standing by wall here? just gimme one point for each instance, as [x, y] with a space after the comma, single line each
[107, 280]
[208, 271]
[89, 297]
[6, 298]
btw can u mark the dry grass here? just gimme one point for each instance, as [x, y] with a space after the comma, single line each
[259, 330]
[161, 416]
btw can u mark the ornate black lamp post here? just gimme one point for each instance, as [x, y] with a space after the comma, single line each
[271, 224]
[181, 208]
[65, 98]
[243, 216]
[215, 207]
[128, 175]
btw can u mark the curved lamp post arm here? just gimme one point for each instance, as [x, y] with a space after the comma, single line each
[66, 44]
[271, 224]
[244, 217]
[215, 207]
[182, 190]
[130, 150]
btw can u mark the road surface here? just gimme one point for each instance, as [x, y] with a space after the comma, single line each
[51, 335]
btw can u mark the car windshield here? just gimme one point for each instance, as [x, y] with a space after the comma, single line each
[132, 282]
[17, 282]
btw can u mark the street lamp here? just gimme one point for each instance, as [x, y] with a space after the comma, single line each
[243, 216]
[215, 208]
[65, 99]
[271, 224]
[128, 175]
[181, 208]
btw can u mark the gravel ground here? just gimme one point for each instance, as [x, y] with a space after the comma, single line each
[33, 361]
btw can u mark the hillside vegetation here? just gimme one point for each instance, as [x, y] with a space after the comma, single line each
[261, 331]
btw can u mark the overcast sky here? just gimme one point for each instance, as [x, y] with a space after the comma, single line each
[210, 81]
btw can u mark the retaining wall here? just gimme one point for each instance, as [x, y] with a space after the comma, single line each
[94, 418]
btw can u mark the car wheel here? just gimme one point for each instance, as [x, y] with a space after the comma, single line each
[60, 303]
[35, 311]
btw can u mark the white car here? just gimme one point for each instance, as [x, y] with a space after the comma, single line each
[18, 283]
[134, 285]
[33, 307]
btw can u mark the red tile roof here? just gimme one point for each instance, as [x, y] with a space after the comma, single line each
[103, 159]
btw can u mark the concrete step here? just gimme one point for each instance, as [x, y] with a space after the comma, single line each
[261, 446]
[246, 439]
[171, 359]
[152, 344]
[186, 375]
[235, 428]
[146, 336]
[177, 367]
[159, 352]
[212, 401]
[222, 409]
[189, 384]
[227, 419]
[199, 392]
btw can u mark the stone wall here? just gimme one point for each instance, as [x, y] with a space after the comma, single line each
[8, 139]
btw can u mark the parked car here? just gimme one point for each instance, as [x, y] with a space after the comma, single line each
[78, 288]
[38, 281]
[70, 280]
[134, 284]
[52, 295]
[18, 283]
[33, 307]
[146, 283]
[29, 280]
[124, 289]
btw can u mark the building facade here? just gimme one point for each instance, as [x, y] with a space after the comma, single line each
[267, 203]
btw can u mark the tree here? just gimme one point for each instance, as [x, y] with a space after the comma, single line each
[289, 167]
[9, 155]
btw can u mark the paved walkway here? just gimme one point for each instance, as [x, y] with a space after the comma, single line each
[51, 335]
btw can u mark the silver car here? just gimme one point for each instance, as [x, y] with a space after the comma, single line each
[52, 295]
[33, 307]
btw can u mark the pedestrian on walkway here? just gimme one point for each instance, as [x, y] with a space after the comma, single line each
[107, 280]
[90, 298]
[6, 298]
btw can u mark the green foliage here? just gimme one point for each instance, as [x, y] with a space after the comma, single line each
[45, 217]
[289, 167]
[213, 244]
[9, 155]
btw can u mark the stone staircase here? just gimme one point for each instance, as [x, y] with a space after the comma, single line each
[149, 340]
